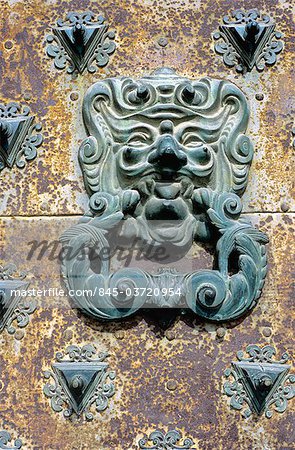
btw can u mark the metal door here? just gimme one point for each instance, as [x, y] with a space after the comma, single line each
[168, 376]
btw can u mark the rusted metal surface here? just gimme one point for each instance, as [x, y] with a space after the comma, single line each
[165, 379]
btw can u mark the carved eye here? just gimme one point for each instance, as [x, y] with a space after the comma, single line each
[139, 95]
[139, 140]
[188, 93]
[191, 140]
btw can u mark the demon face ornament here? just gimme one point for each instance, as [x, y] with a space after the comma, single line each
[164, 164]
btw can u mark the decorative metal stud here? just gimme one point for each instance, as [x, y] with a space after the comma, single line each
[248, 39]
[19, 136]
[169, 441]
[15, 307]
[162, 172]
[80, 41]
[80, 380]
[260, 382]
[5, 439]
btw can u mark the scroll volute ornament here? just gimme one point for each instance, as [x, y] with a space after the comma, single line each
[172, 440]
[257, 383]
[5, 441]
[81, 42]
[248, 39]
[165, 163]
[19, 135]
[15, 307]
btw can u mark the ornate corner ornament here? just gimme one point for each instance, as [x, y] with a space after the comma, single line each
[80, 380]
[169, 441]
[5, 439]
[259, 382]
[248, 39]
[80, 42]
[19, 136]
[15, 307]
[164, 164]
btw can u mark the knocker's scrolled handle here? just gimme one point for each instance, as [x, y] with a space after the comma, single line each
[104, 295]
[219, 296]
[205, 292]
[224, 293]
[228, 292]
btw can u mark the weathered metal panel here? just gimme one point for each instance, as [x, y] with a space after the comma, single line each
[165, 379]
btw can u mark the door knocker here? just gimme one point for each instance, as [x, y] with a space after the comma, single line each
[165, 164]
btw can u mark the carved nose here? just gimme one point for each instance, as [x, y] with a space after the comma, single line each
[168, 156]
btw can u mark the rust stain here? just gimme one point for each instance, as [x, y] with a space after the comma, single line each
[165, 379]
[54, 179]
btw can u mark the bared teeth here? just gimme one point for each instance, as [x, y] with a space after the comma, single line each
[186, 188]
[189, 192]
[150, 184]
[168, 191]
[146, 187]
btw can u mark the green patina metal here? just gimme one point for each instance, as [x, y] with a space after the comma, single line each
[81, 380]
[248, 39]
[81, 42]
[15, 307]
[164, 164]
[172, 440]
[5, 439]
[259, 382]
[19, 135]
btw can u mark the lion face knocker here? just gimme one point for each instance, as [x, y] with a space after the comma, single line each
[165, 163]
